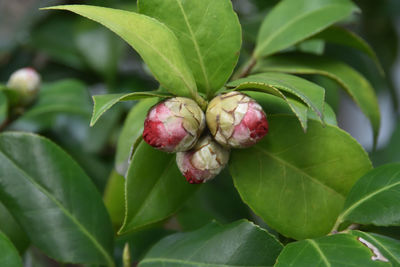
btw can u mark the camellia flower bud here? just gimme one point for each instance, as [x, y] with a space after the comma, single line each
[203, 162]
[27, 82]
[236, 120]
[174, 125]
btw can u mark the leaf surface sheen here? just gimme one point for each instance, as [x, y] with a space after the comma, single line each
[288, 179]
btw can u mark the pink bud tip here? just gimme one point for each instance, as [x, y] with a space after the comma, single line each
[174, 125]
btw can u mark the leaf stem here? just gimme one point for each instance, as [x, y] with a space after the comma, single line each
[126, 256]
[202, 103]
[246, 69]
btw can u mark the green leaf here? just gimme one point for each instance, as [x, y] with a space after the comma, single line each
[12, 230]
[131, 133]
[292, 21]
[389, 247]
[310, 93]
[374, 198]
[114, 198]
[295, 181]
[155, 188]
[329, 115]
[8, 253]
[342, 36]
[156, 44]
[209, 33]
[334, 250]
[102, 103]
[359, 89]
[238, 244]
[51, 197]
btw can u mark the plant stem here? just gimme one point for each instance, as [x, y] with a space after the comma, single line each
[126, 256]
[246, 69]
[202, 103]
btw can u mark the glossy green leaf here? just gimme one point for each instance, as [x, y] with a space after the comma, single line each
[130, 133]
[359, 89]
[292, 21]
[209, 33]
[114, 198]
[102, 103]
[53, 200]
[374, 198]
[157, 45]
[12, 230]
[334, 250]
[291, 86]
[342, 36]
[388, 247]
[8, 253]
[155, 188]
[295, 181]
[238, 244]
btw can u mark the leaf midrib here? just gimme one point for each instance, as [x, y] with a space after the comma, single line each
[318, 249]
[276, 33]
[300, 170]
[194, 263]
[65, 211]
[196, 46]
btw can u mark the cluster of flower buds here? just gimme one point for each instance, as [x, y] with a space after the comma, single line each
[26, 83]
[177, 125]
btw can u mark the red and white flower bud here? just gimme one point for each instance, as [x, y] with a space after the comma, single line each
[235, 120]
[203, 162]
[174, 125]
[26, 82]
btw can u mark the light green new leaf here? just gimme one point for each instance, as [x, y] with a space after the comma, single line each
[102, 103]
[359, 89]
[131, 132]
[342, 36]
[209, 33]
[375, 198]
[295, 181]
[291, 86]
[292, 21]
[155, 188]
[53, 200]
[334, 250]
[240, 244]
[388, 247]
[8, 253]
[156, 44]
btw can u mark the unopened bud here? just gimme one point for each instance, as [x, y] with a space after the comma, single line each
[26, 82]
[203, 162]
[236, 120]
[174, 125]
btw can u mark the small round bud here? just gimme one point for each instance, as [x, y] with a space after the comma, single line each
[27, 82]
[174, 125]
[203, 162]
[236, 120]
